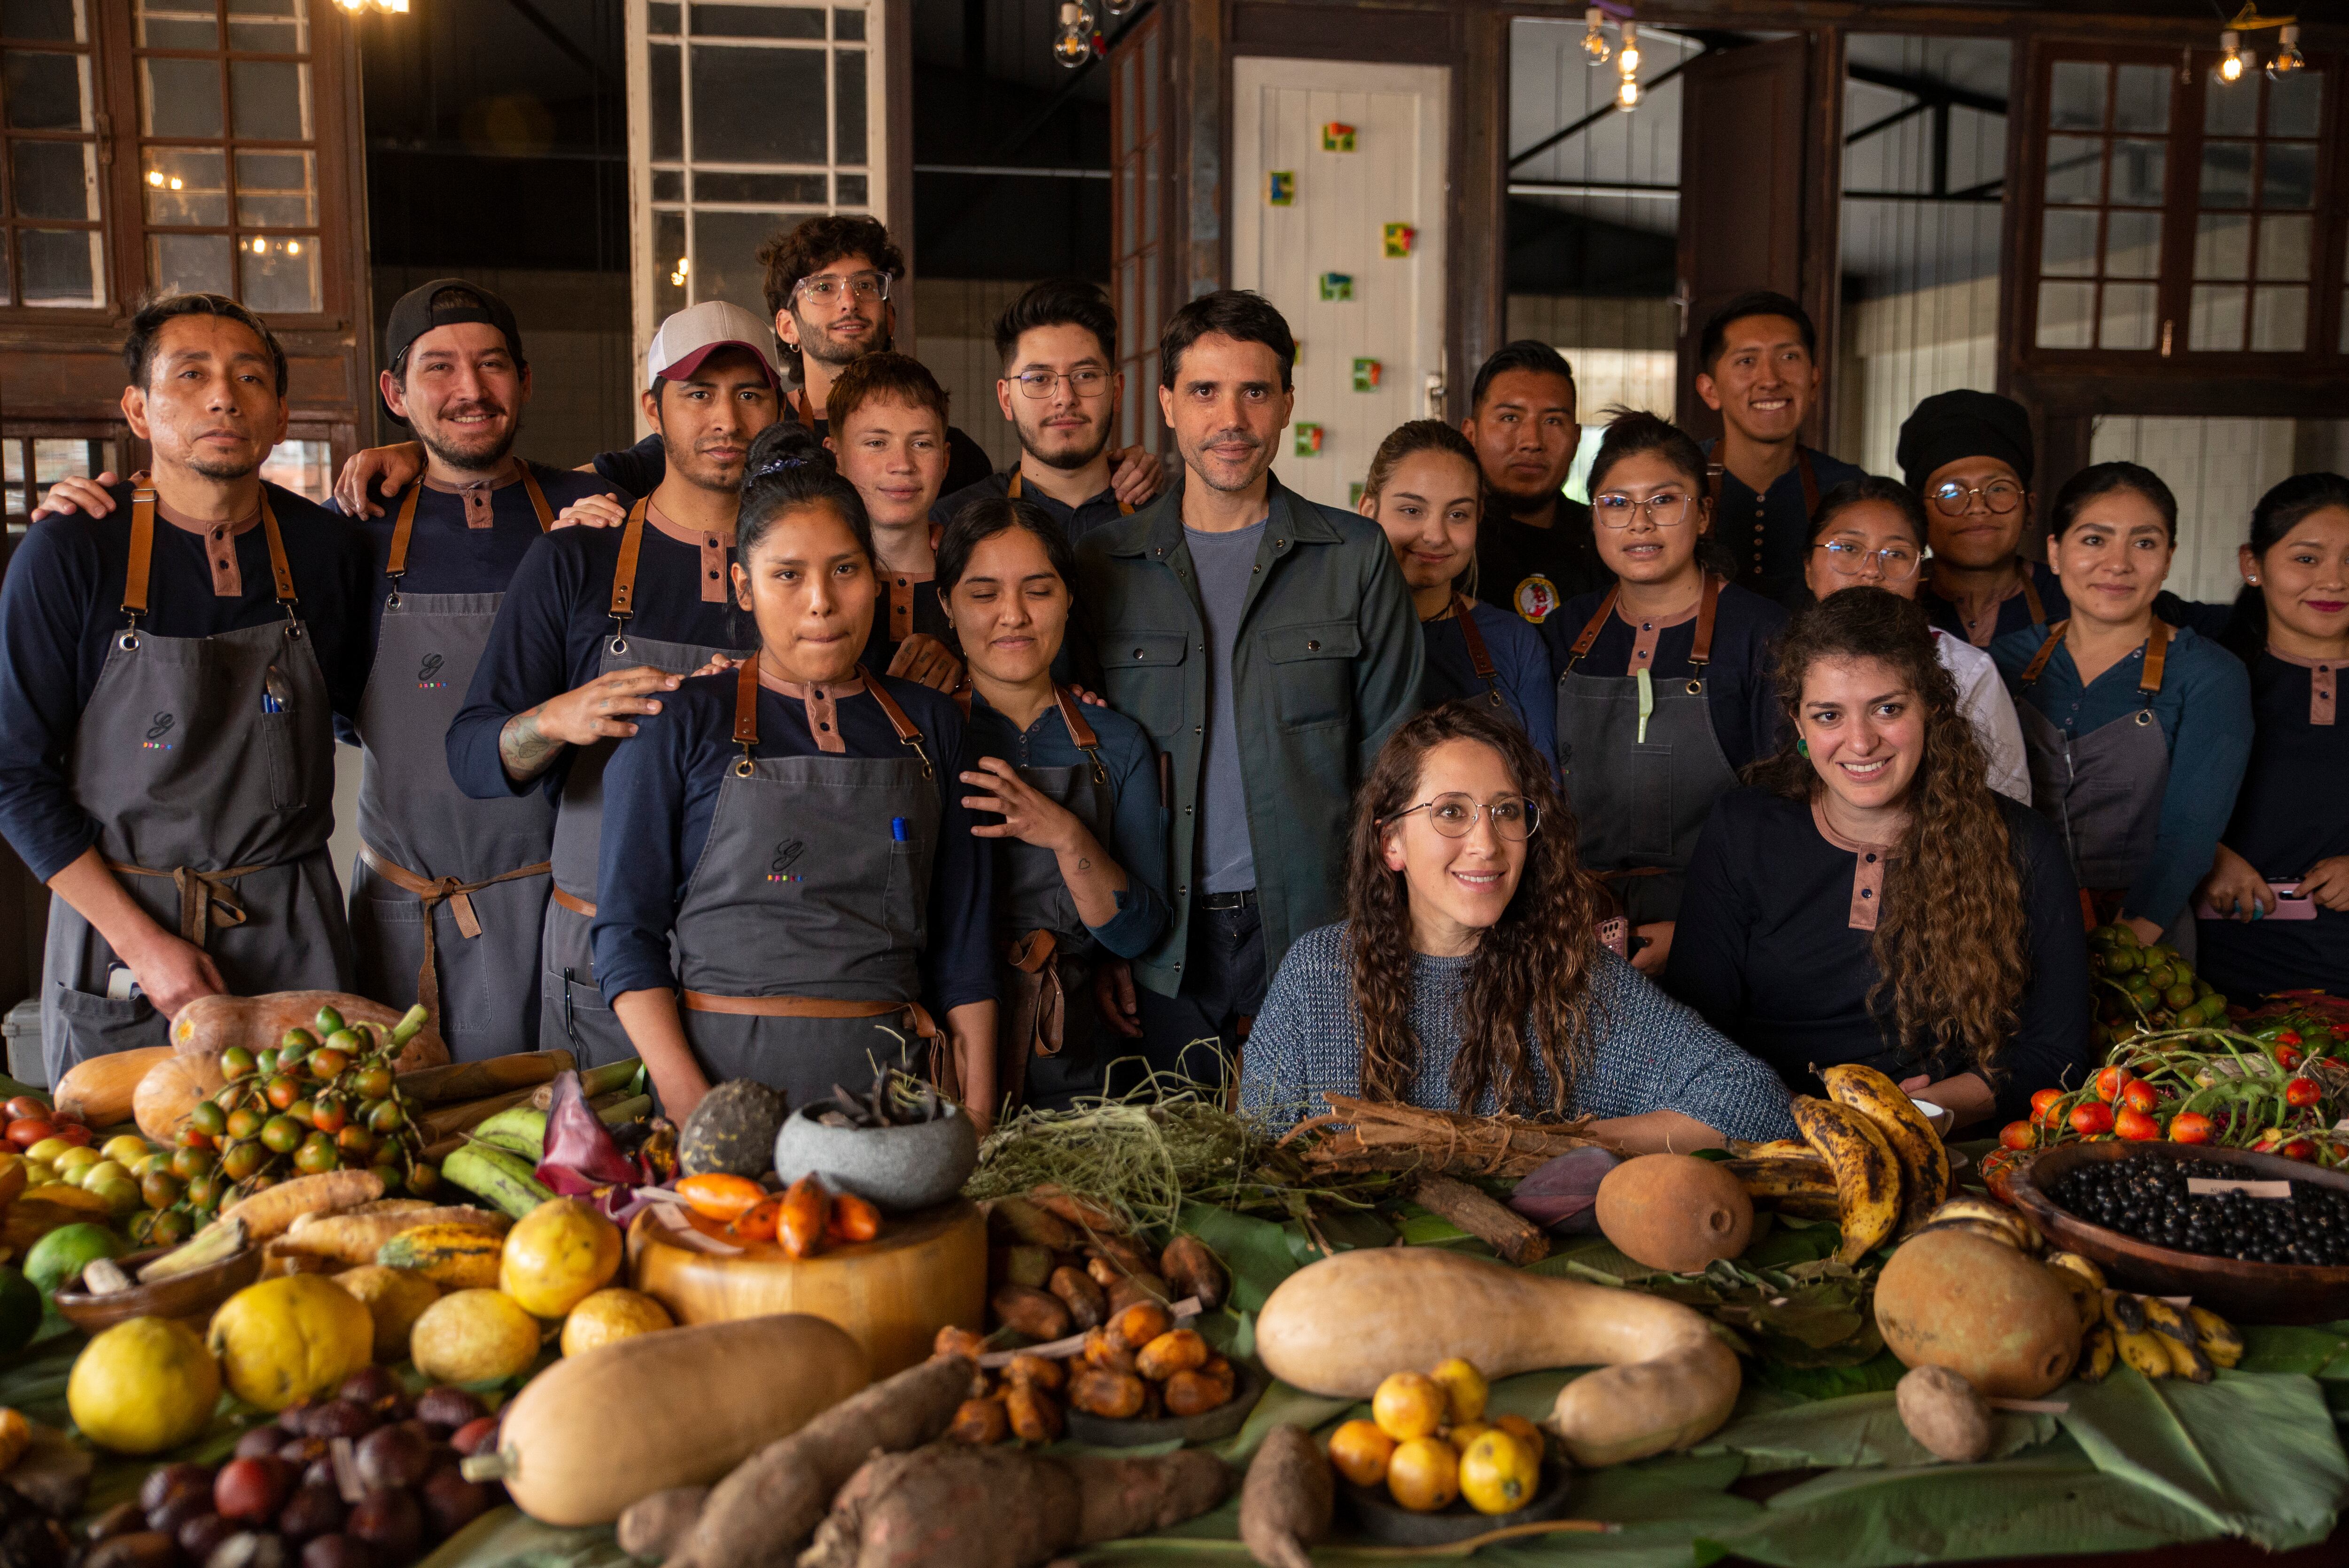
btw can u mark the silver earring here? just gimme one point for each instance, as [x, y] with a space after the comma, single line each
[2253, 580]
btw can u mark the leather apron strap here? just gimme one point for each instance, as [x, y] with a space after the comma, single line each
[914, 1014]
[1081, 734]
[1591, 629]
[2038, 664]
[907, 736]
[579, 906]
[2031, 598]
[624, 575]
[434, 892]
[143, 552]
[1707, 605]
[206, 898]
[1479, 658]
[396, 564]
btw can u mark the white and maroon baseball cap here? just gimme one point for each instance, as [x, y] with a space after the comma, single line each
[694, 334]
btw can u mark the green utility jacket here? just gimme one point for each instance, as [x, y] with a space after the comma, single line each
[1326, 664]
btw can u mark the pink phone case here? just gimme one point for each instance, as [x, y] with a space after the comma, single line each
[2289, 904]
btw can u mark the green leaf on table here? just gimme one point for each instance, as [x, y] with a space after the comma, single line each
[1860, 1430]
[1256, 1251]
[2309, 1351]
[1878, 1372]
[1282, 1406]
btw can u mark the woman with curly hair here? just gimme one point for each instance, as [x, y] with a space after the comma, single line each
[1868, 898]
[1468, 974]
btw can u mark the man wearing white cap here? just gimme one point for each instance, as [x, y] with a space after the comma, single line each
[599, 623]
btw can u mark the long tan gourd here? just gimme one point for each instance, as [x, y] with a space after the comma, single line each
[102, 1088]
[593, 1433]
[1339, 1326]
[169, 1092]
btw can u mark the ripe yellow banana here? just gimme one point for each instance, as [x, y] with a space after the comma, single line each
[2146, 1352]
[1777, 1177]
[1867, 1178]
[1822, 1205]
[2097, 1352]
[1965, 1206]
[1776, 1148]
[2087, 1298]
[2072, 1262]
[1924, 1163]
[2163, 1318]
[2186, 1361]
[2216, 1337]
[2125, 1312]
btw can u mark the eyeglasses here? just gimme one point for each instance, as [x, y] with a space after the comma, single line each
[1895, 564]
[1041, 383]
[2001, 496]
[1666, 509]
[1454, 816]
[827, 288]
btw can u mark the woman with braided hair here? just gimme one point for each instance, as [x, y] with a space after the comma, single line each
[1468, 973]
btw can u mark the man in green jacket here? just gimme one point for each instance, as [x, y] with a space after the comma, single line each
[1269, 645]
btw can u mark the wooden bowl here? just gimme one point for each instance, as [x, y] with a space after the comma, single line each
[1248, 1385]
[190, 1296]
[1378, 1517]
[2241, 1292]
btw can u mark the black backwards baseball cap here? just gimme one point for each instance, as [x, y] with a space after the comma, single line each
[444, 302]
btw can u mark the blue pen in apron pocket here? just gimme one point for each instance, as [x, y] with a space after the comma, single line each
[897, 830]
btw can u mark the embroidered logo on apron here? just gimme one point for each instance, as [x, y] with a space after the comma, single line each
[787, 854]
[428, 674]
[156, 733]
[1536, 597]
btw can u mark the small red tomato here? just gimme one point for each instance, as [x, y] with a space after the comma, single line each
[2092, 1117]
[2046, 1107]
[2190, 1126]
[2301, 1091]
[190, 1139]
[29, 1130]
[2288, 1037]
[26, 1107]
[2297, 1149]
[73, 1132]
[2286, 1058]
[2109, 1083]
[2136, 1126]
[2138, 1094]
[2017, 1135]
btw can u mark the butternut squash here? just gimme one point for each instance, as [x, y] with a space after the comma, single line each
[1339, 1326]
[101, 1089]
[169, 1090]
[454, 1257]
[210, 1024]
[692, 1403]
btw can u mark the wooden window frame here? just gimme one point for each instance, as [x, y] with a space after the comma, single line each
[1132, 199]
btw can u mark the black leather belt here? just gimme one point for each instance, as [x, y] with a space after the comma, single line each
[1239, 900]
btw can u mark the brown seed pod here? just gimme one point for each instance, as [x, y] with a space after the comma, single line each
[1115, 1396]
[1035, 1414]
[982, 1423]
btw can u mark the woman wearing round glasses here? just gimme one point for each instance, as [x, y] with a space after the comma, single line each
[1868, 898]
[1467, 974]
[1871, 533]
[2137, 732]
[1663, 688]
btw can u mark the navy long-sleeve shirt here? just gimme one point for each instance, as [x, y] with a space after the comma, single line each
[1766, 951]
[549, 639]
[1769, 535]
[1137, 825]
[2013, 611]
[2204, 708]
[660, 795]
[61, 609]
[1520, 668]
[1739, 691]
[640, 469]
[1078, 521]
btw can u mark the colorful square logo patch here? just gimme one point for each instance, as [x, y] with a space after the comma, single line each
[1337, 137]
[1366, 375]
[1397, 239]
[1309, 440]
[1280, 187]
[1337, 285]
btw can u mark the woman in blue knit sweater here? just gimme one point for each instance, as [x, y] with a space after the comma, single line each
[1468, 974]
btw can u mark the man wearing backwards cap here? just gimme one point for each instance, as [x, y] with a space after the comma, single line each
[601, 621]
[1968, 456]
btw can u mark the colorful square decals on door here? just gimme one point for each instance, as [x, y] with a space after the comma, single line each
[1399, 237]
[1309, 440]
[1337, 137]
[1280, 187]
[1366, 375]
[1337, 285]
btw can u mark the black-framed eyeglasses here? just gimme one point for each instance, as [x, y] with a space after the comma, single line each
[827, 288]
[1455, 815]
[1894, 564]
[1088, 382]
[2000, 496]
[1666, 509]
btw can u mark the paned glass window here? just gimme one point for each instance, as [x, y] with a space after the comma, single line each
[30, 465]
[1138, 175]
[49, 118]
[2255, 218]
[2107, 159]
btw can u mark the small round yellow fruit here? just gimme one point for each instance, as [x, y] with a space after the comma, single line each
[145, 1384]
[1423, 1475]
[557, 1255]
[1461, 1434]
[395, 1299]
[1525, 1431]
[611, 1315]
[1467, 1389]
[1361, 1452]
[1410, 1405]
[1498, 1474]
[474, 1336]
[289, 1338]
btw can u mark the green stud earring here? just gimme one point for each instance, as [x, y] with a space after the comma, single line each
[1802, 747]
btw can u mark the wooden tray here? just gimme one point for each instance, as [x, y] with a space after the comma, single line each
[189, 1296]
[893, 1294]
[1378, 1517]
[2241, 1292]
[1248, 1385]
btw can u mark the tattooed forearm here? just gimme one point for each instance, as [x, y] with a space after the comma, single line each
[524, 747]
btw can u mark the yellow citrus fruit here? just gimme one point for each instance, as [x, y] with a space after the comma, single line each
[1423, 1475]
[1409, 1405]
[474, 1336]
[609, 1317]
[145, 1384]
[1524, 1430]
[288, 1339]
[1498, 1474]
[1467, 1389]
[394, 1298]
[1464, 1433]
[557, 1255]
[1361, 1452]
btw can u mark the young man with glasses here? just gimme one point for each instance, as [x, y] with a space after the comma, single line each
[1968, 456]
[1762, 375]
[1062, 390]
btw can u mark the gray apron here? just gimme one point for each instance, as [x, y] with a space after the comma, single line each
[571, 1010]
[1640, 783]
[1045, 952]
[448, 892]
[799, 938]
[2103, 790]
[208, 765]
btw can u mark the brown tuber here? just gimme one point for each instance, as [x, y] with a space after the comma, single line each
[1087, 1303]
[1037, 1314]
[1132, 1289]
[1035, 1415]
[1140, 1324]
[1942, 1413]
[981, 1423]
[1200, 1389]
[1107, 1351]
[1288, 1500]
[1035, 1369]
[653, 1527]
[1176, 1350]
[1190, 1269]
[1113, 1396]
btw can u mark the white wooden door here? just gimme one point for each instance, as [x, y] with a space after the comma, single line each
[1369, 322]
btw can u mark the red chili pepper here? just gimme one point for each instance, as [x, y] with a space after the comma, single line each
[2110, 1082]
[2017, 1135]
[2190, 1126]
[2138, 1094]
[2090, 1117]
[2136, 1126]
[2300, 1091]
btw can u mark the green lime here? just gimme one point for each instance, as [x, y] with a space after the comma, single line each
[67, 1250]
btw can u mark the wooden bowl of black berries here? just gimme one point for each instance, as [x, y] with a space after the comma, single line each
[2251, 1259]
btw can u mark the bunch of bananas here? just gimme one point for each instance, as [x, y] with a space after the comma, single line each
[1868, 1159]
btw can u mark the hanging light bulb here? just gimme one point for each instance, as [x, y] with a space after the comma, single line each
[2288, 57]
[1627, 94]
[2230, 56]
[1074, 45]
[1627, 59]
[1594, 36]
[1116, 8]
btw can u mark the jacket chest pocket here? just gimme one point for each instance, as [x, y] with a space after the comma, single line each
[1134, 666]
[1313, 670]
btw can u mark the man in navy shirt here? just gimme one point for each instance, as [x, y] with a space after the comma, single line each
[1761, 373]
[169, 675]
[1062, 390]
[1534, 549]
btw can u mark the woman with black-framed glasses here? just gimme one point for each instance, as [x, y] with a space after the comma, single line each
[1468, 973]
